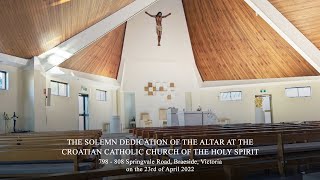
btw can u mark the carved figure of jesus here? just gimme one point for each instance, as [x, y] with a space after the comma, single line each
[158, 19]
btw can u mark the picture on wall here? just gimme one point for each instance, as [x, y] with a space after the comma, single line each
[166, 89]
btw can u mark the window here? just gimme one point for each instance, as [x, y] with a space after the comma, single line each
[3, 80]
[101, 95]
[231, 96]
[298, 92]
[59, 88]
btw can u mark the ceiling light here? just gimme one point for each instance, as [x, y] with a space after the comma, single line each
[58, 2]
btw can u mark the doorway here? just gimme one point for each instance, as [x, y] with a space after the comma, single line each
[83, 112]
[263, 109]
[130, 110]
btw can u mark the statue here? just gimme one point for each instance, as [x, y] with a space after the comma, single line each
[7, 119]
[14, 117]
[158, 18]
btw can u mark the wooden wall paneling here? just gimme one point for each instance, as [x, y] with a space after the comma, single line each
[30, 27]
[231, 43]
[304, 14]
[100, 58]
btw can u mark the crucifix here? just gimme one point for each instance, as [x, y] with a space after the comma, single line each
[158, 18]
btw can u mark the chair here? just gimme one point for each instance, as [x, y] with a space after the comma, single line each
[163, 117]
[145, 120]
[223, 120]
[106, 127]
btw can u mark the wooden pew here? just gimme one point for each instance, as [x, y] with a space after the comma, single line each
[36, 154]
[295, 148]
[300, 148]
[267, 136]
[44, 147]
[177, 134]
[56, 132]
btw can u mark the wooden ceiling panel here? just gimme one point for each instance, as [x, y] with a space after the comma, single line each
[231, 43]
[304, 14]
[100, 58]
[30, 27]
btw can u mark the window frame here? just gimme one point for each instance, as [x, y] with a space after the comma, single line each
[59, 82]
[102, 91]
[302, 87]
[230, 94]
[6, 80]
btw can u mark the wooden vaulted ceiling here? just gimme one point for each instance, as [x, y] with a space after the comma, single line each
[30, 27]
[100, 58]
[231, 43]
[304, 14]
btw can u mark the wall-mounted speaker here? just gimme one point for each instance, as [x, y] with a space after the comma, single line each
[49, 97]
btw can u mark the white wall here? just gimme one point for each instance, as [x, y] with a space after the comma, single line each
[63, 113]
[285, 109]
[10, 99]
[39, 100]
[27, 99]
[25, 96]
[143, 61]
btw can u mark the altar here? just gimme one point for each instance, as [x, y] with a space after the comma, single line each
[190, 118]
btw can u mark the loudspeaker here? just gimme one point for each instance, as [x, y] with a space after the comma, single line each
[49, 97]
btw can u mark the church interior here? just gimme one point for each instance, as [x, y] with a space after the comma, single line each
[159, 69]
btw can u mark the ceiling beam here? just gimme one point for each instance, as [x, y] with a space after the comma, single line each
[13, 60]
[287, 30]
[65, 50]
